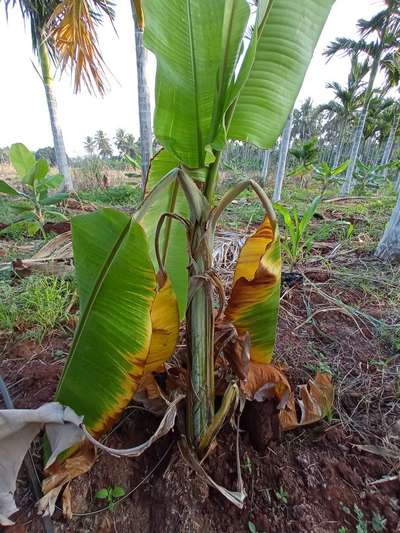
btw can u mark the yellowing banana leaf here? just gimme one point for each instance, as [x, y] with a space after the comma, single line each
[117, 286]
[254, 302]
[173, 241]
[286, 41]
[165, 328]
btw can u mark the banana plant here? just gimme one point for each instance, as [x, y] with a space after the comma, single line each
[225, 70]
[37, 205]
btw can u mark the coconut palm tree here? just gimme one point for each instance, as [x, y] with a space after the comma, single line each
[103, 144]
[383, 28]
[90, 145]
[65, 33]
[146, 142]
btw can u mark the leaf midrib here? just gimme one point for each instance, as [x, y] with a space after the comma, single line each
[93, 296]
[195, 83]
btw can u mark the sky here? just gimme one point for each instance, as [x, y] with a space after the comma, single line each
[24, 115]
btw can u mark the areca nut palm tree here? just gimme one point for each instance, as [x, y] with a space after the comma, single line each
[383, 28]
[282, 159]
[347, 100]
[65, 32]
[38, 13]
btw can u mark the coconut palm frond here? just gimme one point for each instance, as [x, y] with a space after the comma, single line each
[72, 32]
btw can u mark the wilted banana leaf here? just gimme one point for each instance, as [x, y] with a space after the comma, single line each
[117, 286]
[254, 302]
[173, 241]
[315, 402]
[285, 46]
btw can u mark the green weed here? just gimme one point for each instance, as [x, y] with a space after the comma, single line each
[110, 495]
[123, 195]
[282, 496]
[38, 304]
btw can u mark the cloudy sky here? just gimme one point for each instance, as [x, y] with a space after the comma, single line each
[24, 118]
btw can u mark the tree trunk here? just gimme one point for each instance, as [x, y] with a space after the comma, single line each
[389, 143]
[339, 151]
[397, 186]
[283, 152]
[265, 167]
[358, 134]
[367, 150]
[389, 246]
[59, 147]
[146, 140]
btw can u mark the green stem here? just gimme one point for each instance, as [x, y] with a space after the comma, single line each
[212, 177]
[200, 339]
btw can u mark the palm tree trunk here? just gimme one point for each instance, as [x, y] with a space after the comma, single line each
[397, 186]
[265, 167]
[339, 151]
[358, 134]
[389, 246]
[389, 143]
[283, 152]
[59, 147]
[146, 140]
[367, 150]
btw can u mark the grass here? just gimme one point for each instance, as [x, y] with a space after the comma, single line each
[38, 304]
[122, 195]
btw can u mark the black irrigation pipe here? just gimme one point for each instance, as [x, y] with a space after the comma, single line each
[28, 462]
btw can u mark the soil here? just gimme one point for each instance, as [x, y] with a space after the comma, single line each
[308, 480]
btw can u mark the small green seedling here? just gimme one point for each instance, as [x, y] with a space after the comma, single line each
[36, 203]
[282, 495]
[252, 527]
[378, 522]
[362, 526]
[296, 228]
[111, 495]
[247, 465]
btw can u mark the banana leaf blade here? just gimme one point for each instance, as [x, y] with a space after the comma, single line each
[254, 302]
[117, 286]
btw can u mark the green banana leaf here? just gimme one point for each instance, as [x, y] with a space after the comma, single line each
[197, 45]
[5, 188]
[286, 42]
[117, 286]
[21, 159]
[173, 240]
